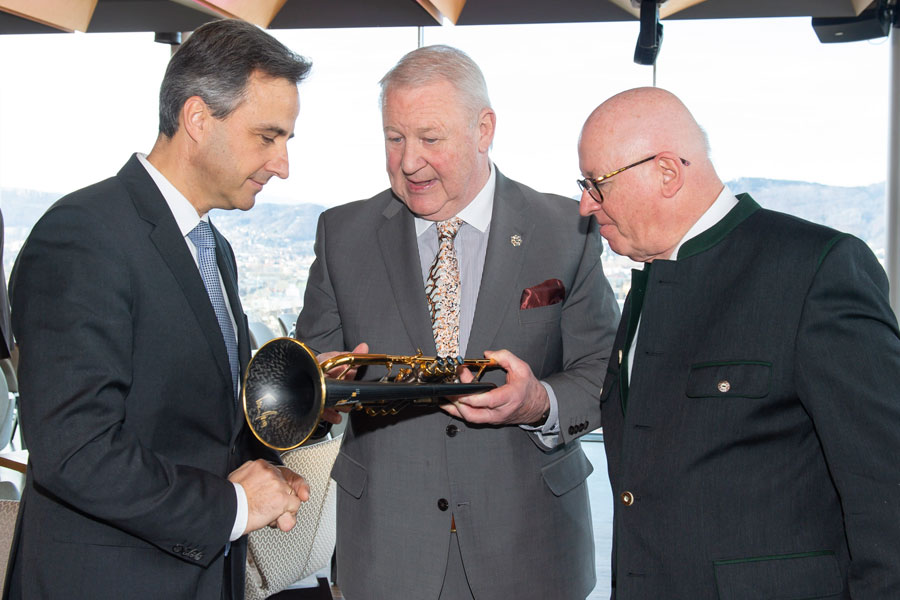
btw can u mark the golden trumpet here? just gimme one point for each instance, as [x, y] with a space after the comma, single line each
[286, 390]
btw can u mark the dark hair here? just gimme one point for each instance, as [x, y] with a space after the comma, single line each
[216, 62]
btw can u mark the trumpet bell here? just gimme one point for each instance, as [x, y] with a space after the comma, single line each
[284, 392]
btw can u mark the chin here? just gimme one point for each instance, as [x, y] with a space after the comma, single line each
[244, 205]
[423, 207]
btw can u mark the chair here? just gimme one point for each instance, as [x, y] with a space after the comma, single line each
[9, 509]
[7, 413]
[276, 559]
[260, 334]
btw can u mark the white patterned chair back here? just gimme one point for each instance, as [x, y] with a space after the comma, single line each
[276, 559]
[8, 511]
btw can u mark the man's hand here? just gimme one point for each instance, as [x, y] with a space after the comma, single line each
[330, 414]
[273, 494]
[522, 400]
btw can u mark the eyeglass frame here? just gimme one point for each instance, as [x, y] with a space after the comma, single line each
[591, 184]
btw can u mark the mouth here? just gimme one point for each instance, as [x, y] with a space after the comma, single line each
[420, 186]
[257, 184]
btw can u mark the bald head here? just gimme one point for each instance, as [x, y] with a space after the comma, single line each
[646, 210]
[646, 120]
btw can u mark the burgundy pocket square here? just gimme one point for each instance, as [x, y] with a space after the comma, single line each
[546, 293]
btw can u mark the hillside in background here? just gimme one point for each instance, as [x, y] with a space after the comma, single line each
[274, 242]
[856, 210]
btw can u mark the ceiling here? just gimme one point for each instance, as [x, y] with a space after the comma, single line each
[47, 16]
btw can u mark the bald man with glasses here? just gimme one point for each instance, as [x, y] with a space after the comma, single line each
[750, 410]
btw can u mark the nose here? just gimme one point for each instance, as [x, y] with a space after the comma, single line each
[279, 163]
[587, 205]
[410, 159]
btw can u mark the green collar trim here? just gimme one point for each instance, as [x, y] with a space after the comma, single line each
[745, 207]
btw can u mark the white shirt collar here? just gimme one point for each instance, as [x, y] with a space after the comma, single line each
[184, 212]
[715, 213]
[477, 213]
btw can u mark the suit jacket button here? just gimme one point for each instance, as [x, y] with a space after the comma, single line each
[178, 549]
[627, 498]
[452, 430]
[443, 504]
[571, 430]
[723, 386]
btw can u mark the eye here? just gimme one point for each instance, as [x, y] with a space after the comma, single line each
[394, 139]
[430, 140]
[267, 139]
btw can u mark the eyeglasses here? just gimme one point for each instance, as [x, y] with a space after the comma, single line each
[592, 185]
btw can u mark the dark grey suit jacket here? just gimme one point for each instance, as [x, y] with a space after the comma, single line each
[521, 512]
[755, 455]
[126, 404]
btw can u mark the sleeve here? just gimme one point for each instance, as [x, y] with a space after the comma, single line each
[72, 302]
[588, 325]
[319, 324]
[848, 379]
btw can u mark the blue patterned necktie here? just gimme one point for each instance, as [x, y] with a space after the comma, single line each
[202, 237]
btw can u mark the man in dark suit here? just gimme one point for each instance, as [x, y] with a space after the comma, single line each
[488, 501]
[142, 479]
[750, 410]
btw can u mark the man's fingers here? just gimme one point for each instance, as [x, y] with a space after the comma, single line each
[287, 520]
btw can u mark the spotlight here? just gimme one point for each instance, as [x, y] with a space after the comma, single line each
[870, 24]
[650, 36]
[173, 38]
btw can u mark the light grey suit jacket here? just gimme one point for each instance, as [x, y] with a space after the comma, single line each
[521, 511]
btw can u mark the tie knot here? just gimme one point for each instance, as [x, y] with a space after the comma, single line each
[448, 229]
[202, 235]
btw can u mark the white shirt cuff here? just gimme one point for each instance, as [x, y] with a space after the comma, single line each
[548, 433]
[240, 519]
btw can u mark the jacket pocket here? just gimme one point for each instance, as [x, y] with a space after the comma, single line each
[349, 474]
[567, 472]
[540, 314]
[729, 379]
[785, 577]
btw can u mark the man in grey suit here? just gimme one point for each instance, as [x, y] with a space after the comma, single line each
[143, 477]
[488, 499]
[751, 409]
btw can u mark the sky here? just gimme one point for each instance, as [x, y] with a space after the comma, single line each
[774, 101]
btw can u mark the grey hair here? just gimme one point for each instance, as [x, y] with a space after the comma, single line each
[431, 64]
[216, 62]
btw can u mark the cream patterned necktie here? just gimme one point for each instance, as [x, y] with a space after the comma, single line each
[442, 291]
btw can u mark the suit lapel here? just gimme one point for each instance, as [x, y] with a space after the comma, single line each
[400, 252]
[502, 264]
[152, 207]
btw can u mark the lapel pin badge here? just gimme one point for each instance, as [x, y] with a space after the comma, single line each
[515, 240]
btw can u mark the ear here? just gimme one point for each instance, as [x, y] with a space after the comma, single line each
[672, 170]
[195, 115]
[487, 121]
